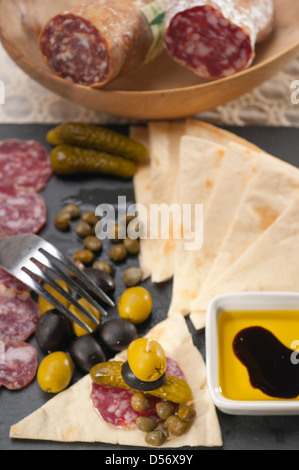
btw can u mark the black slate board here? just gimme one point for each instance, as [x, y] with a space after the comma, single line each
[239, 432]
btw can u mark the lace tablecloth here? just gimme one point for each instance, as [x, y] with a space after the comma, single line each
[274, 103]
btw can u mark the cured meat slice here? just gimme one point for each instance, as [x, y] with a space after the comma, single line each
[21, 211]
[24, 163]
[19, 315]
[114, 404]
[95, 42]
[18, 365]
[216, 38]
[11, 282]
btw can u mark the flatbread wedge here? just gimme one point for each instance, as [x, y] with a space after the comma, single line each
[271, 263]
[238, 165]
[70, 416]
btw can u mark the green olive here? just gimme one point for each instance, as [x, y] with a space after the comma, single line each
[92, 243]
[62, 221]
[146, 359]
[132, 246]
[118, 252]
[84, 256]
[55, 372]
[135, 304]
[73, 210]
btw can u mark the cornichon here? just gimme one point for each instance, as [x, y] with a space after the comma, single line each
[68, 160]
[97, 138]
[173, 389]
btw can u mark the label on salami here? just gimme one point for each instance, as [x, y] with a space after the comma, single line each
[154, 14]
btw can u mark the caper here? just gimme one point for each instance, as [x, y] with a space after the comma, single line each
[83, 229]
[62, 221]
[132, 246]
[103, 266]
[84, 256]
[155, 438]
[90, 218]
[92, 243]
[176, 425]
[132, 276]
[72, 209]
[186, 413]
[164, 409]
[118, 252]
[117, 233]
[145, 424]
[140, 402]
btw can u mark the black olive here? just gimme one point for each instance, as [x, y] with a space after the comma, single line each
[52, 331]
[137, 384]
[103, 280]
[117, 334]
[86, 352]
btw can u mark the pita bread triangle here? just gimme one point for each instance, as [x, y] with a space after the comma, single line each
[236, 170]
[70, 416]
[271, 263]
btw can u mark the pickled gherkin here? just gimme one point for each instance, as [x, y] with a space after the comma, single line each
[109, 374]
[97, 138]
[68, 160]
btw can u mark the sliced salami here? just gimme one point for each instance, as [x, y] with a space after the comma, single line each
[11, 282]
[18, 365]
[79, 46]
[21, 211]
[24, 163]
[114, 404]
[216, 38]
[19, 315]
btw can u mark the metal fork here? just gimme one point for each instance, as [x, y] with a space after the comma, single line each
[31, 260]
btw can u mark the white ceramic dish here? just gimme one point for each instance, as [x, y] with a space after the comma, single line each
[261, 301]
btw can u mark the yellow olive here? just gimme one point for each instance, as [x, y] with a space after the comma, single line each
[146, 359]
[55, 372]
[135, 304]
[44, 305]
[78, 330]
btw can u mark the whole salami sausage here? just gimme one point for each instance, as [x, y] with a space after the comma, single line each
[216, 38]
[97, 41]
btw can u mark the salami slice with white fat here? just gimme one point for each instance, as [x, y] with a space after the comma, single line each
[11, 282]
[97, 41]
[19, 315]
[24, 163]
[18, 365]
[114, 404]
[21, 211]
[216, 38]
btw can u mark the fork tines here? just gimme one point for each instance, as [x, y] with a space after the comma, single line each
[47, 267]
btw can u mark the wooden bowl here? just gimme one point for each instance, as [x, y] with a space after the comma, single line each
[159, 90]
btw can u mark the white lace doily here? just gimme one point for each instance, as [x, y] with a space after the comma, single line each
[271, 104]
